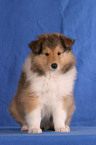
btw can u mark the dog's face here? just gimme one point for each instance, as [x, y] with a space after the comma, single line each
[51, 53]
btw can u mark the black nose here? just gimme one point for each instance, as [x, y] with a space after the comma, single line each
[54, 65]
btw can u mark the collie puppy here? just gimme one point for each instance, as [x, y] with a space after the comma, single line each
[44, 97]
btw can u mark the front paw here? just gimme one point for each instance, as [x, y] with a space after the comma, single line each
[63, 129]
[35, 130]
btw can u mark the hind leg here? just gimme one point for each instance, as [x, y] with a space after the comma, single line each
[17, 114]
[24, 128]
[70, 113]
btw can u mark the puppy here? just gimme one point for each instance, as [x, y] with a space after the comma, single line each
[44, 97]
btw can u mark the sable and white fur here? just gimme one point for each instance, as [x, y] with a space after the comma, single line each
[44, 98]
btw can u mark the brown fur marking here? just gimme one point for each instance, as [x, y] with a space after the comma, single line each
[38, 69]
[50, 40]
[67, 67]
[69, 107]
[24, 101]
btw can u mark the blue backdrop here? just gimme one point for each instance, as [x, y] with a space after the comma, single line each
[22, 20]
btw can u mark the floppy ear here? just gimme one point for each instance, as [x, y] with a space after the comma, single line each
[36, 46]
[66, 42]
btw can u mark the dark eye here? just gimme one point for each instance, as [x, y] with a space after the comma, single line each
[58, 53]
[47, 54]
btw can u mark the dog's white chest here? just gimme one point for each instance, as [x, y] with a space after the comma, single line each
[53, 86]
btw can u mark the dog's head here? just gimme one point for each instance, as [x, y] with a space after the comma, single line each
[51, 53]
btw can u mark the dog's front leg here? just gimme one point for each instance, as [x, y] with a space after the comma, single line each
[59, 118]
[33, 120]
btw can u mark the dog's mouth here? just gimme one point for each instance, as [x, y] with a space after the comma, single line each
[54, 70]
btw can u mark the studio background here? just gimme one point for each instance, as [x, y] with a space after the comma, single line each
[20, 23]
